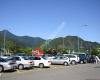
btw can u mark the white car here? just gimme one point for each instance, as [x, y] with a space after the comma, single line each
[7, 65]
[73, 58]
[40, 61]
[61, 60]
[22, 62]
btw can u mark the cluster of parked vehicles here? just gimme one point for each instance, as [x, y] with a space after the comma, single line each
[21, 62]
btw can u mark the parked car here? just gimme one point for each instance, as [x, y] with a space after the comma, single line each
[74, 59]
[40, 61]
[22, 62]
[7, 65]
[82, 56]
[61, 60]
[48, 56]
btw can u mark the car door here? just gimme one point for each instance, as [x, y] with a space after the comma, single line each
[62, 59]
[55, 60]
[37, 61]
[59, 60]
[17, 59]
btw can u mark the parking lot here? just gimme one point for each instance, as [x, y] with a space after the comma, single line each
[56, 72]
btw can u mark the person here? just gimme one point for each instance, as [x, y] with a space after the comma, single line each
[97, 59]
[93, 59]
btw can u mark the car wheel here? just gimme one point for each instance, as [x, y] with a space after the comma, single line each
[85, 61]
[81, 62]
[73, 62]
[20, 67]
[1, 68]
[41, 65]
[65, 64]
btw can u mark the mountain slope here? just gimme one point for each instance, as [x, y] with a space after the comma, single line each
[69, 42]
[23, 41]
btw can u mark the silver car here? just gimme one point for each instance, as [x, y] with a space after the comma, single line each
[74, 59]
[61, 60]
[6, 64]
[22, 62]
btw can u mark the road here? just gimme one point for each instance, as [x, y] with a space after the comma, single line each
[56, 72]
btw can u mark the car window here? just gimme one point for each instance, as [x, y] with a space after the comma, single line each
[61, 57]
[2, 60]
[25, 58]
[8, 59]
[82, 56]
[31, 58]
[16, 58]
[56, 57]
[65, 57]
[72, 56]
[37, 58]
[44, 58]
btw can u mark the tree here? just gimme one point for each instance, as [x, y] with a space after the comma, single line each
[94, 52]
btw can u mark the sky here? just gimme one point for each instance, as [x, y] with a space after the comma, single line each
[51, 18]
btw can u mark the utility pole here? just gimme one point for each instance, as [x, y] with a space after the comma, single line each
[63, 43]
[90, 47]
[78, 44]
[4, 41]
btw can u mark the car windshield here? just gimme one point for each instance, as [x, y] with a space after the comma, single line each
[44, 57]
[8, 59]
[25, 58]
[3, 60]
[31, 57]
[81, 55]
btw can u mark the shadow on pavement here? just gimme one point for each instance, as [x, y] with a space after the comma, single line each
[9, 71]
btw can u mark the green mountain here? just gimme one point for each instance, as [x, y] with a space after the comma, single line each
[72, 43]
[69, 42]
[20, 41]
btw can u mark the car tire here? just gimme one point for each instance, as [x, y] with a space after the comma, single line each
[65, 64]
[73, 62]
[1, 68]
[81, 62]
[41, 65]
[85, 61]
[20, 66]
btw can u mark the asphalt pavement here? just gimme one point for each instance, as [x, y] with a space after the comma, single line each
[56, 72]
